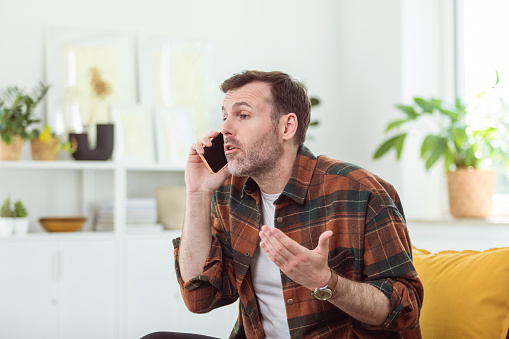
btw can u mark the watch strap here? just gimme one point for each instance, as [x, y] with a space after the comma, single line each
[333, 281]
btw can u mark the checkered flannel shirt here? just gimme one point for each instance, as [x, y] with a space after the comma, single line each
[370, 244]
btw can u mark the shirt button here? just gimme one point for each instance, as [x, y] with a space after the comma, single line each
[289, 301]
[279, 220]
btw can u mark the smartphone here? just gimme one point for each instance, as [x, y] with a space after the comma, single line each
[214, 157]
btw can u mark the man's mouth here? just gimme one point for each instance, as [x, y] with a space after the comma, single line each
[229, 149]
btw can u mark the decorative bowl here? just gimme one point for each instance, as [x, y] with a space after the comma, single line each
[62, 224]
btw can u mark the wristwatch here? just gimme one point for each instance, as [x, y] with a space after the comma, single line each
[326, 292]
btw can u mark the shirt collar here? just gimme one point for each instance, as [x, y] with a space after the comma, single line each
[298, 185]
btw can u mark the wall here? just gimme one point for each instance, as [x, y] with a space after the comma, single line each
[349, 53]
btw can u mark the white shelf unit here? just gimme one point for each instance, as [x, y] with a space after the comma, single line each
[88, 170]
[83, 181]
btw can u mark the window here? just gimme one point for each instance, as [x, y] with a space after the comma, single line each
[482, 38]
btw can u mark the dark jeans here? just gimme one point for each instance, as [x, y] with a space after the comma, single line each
[175, 335]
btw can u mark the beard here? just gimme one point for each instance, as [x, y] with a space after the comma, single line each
[256, 159]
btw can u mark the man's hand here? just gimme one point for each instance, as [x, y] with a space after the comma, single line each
[306, 267]
[200, 187]
[309, 268]
[198, 178]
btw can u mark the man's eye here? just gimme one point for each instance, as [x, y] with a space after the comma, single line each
[244, 116]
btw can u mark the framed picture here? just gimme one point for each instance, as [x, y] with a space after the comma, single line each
[177, 73]
[88, 71]
[134, 134]
[174, 135]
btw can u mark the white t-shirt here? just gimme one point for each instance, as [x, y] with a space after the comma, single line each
[267, 282]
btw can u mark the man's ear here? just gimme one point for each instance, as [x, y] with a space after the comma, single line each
[288, 125]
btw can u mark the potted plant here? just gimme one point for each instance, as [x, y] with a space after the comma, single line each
[13, 219]
[45, 144]
[16, 109]
[20, 218]
[464, 145]
[6, 218]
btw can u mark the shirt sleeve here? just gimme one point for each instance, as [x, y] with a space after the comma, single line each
[388, 266]
[215, 286]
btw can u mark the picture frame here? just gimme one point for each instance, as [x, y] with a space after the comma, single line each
[174, 135]
[134, 134]
[88, 71]
[178, 73]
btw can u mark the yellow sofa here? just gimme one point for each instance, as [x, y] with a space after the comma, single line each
[466, 294]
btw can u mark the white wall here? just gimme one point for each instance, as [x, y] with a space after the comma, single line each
[350, 53]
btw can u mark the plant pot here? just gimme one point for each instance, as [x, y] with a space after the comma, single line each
[104, 145]
[6, 227]
[20, 226]
[11, 151]
[471, 193]
[44, 151]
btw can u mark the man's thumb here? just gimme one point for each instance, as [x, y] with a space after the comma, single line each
[323, 242]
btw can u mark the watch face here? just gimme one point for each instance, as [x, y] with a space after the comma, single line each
[322, 294]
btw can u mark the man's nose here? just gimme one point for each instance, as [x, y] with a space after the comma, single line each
[228, 128]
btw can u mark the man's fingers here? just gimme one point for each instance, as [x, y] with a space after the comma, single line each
[292, 246]
[274, 249]
[203, 142]
[212, 134]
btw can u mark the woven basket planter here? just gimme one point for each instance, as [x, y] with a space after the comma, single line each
[44, 151]
[11, 151]
[471, 193]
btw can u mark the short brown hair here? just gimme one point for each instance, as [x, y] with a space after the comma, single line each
[288, 96]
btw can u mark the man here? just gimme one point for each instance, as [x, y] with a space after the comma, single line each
[312, 247]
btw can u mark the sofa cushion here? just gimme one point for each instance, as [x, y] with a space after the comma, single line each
[466, 294]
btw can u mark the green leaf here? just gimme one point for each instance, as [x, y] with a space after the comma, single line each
[485, 133]
[408, 110]
[459, 135]
[395, 124]
[449, 160]
[470, 159]
[398, 145]
[438, 150]
[427, 107]
[450, 114]
[428, 144]
[314, 101]
[435, 103]
[386, 146]
[496, 83]
[457, 103]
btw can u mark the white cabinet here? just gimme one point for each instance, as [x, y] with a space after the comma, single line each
[151, 286]
[28, 290]
[87, 289]
[154, 300]
[53, 288]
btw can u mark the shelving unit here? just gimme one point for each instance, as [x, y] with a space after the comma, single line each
[88, 171]
[84, 182]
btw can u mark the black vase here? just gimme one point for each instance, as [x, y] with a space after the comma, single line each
[104, 145]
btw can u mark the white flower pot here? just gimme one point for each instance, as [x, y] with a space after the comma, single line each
[6, 226]
[20, 226]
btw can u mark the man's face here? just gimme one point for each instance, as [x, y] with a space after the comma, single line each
[252, 142]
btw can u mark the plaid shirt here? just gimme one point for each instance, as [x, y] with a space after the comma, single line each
[370, 243]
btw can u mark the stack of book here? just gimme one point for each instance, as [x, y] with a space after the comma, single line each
[140, 215]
